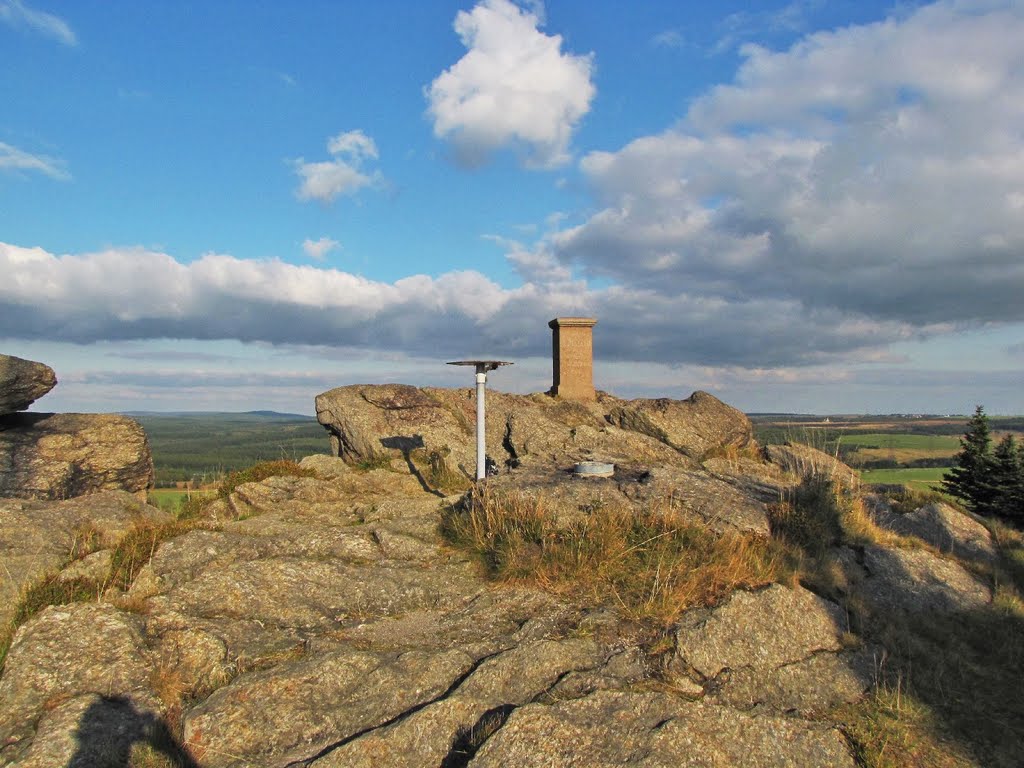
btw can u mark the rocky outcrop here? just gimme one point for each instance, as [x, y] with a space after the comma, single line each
[321, 621]
[61, 455]
[696, 426]
[913, 581]
[392, 419]
[656, 445]
[22, 382]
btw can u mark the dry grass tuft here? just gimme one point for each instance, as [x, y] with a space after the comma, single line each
[262, 471]
[651, 563]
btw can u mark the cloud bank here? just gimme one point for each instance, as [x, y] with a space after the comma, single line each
[124, 294]
[514, 87]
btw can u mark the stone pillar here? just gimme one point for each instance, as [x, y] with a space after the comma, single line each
[572, 354]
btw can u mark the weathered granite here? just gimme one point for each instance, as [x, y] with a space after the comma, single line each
[913, 581]
[22, 382]
[650, 729]
[61, 455]
[943, 527]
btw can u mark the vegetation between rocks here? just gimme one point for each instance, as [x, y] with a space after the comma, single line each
[946, 690]
[134, 550]
[651, 564]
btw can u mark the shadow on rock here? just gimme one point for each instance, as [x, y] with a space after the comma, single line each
[408, 444]
[112, 727]
[952, 648]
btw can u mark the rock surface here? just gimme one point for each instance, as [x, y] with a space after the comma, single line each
[943, 527]
[322, 621]
[367, 420]
[914, 581]
[61, 455]
[656, 730]
[778, 646]
[22, 382]
[38, 538]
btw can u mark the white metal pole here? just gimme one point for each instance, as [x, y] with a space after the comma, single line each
[481, 443]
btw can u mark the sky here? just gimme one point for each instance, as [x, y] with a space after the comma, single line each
[814, 206]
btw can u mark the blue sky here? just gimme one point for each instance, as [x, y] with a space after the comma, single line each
[812, 206]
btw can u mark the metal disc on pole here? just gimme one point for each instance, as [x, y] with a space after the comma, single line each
[482, 367]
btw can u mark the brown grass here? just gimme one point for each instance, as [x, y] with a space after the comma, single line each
[651, 563]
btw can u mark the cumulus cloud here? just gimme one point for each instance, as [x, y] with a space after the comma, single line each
[14, 159]
[318, 249]
[873, 173]
[514, 87]
[342, 174]
[17, 14]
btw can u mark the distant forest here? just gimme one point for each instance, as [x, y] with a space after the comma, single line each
[200, 447]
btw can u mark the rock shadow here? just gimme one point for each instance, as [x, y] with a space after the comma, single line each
[407, 444]
[961, 658]
[112, 726]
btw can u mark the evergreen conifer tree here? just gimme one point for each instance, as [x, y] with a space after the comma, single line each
[969, 479]
[1007, 480]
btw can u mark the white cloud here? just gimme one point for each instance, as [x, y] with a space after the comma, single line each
[17, 14]
[514, 87]
[318, 249]
[870, 172]
[14, 159]
[134, 293]
[327, 180]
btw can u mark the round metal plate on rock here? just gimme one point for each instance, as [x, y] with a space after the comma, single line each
[594, 469]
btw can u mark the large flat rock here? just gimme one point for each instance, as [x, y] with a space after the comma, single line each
[22, 382]
[610, 728]
[61, 455]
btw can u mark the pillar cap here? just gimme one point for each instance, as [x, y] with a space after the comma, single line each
[573, 322]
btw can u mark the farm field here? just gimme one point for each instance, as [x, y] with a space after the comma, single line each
[917, 479]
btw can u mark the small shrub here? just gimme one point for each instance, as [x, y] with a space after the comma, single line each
[909, 500]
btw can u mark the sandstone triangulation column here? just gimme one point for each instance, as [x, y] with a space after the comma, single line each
[572, 353]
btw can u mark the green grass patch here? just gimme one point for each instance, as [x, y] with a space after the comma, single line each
[920, 479]
[902, 442]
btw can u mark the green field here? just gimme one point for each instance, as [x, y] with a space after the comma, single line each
[171, 499]
[925, 479]
[902, 442]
